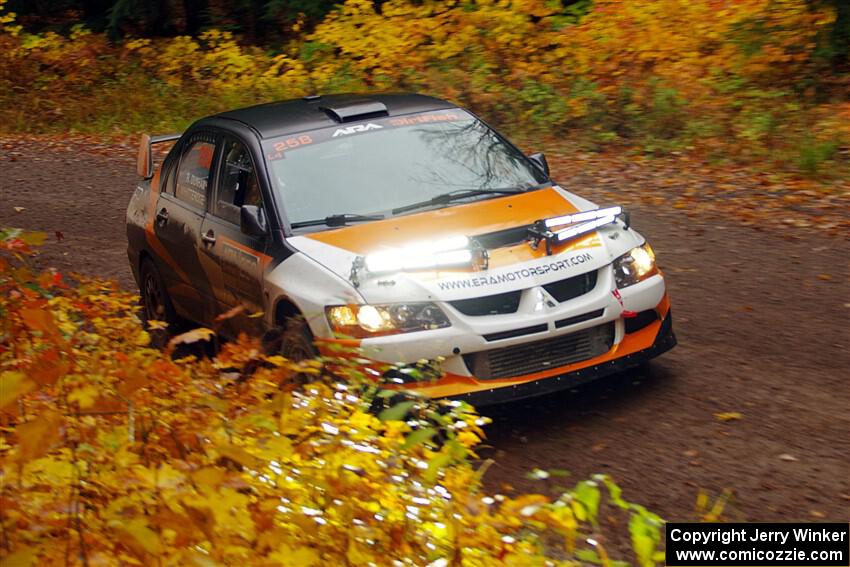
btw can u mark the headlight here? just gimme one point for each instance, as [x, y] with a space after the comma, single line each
[362, 321]
[635, 266]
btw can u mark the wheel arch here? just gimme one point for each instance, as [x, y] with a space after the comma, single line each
[284, 309]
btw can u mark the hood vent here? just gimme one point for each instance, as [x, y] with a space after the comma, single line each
[503, 238]
[356, 110]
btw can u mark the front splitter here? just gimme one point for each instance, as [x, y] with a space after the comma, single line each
[664, 341]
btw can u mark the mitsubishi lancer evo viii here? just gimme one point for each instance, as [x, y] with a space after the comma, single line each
[400, 224]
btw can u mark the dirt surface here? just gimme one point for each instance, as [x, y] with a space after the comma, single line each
[762, 319]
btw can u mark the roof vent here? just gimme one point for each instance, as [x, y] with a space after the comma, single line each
[356, 110]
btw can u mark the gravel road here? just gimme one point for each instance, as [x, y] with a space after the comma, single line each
[762, 322]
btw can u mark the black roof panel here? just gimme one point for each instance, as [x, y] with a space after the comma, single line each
[300, 114]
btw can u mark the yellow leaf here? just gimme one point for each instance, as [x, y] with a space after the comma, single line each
[136, 536]
[24, 557]
[355, 554]
[36, 437]
[240, 456]
[39, 320]
[301, 557]
[165, 476]
[208, 476]
[155, 325]
[12, 385]
[728, 416]
[84, 396]
[196, 558]
[143, 338]
[193, 336]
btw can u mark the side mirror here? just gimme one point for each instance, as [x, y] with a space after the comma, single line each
[539, 159]
[252, 220]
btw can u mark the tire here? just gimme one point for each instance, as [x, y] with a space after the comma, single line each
[297, 341]
[156, 304]
[294, 341]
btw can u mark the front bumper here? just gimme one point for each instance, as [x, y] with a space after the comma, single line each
[664, 341]
[639, 344]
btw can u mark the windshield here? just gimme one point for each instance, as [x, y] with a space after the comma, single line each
[392, 162]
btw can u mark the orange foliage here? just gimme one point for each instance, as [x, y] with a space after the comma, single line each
[738, 77]
[112, 452]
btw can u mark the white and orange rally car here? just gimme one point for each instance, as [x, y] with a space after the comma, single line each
[403, 225]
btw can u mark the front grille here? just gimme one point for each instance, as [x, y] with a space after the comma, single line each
[489, 304]
[573, 287]
[519, 360]
[516, 332]
[579, 318]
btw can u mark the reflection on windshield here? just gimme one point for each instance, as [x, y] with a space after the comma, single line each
[392, 162]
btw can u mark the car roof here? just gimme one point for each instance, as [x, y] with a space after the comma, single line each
[308, 113]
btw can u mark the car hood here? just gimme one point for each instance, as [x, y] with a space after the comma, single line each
[512, 265]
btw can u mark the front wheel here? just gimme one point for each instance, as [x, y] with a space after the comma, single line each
[297, 341]
[294, 341]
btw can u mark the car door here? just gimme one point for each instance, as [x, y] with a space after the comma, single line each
[241, 258]
[180, 211]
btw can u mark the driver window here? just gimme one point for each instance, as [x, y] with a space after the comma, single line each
[193, 174]
[238, 185]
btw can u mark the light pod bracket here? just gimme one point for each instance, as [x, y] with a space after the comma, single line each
[572, 226]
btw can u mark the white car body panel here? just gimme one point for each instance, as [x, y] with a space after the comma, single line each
[320, 275]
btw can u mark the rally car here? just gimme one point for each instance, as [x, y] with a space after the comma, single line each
[401, 224]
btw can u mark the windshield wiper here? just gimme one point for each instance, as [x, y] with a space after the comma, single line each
[337, 220]
[446, 198]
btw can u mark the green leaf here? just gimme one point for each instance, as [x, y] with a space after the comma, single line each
[588, 555]
[645, 536]
[615, 493]
[436, 464]
[397, 412]
[34, 238]
[418, 436]
[644, 548]
[587, 492]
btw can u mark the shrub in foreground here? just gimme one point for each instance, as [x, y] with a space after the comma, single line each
[113, 452]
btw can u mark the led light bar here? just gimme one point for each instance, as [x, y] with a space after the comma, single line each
[582, 217]
[574, 231]
[574, 225]
[447, 252]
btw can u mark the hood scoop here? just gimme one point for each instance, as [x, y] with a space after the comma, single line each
[503, 238]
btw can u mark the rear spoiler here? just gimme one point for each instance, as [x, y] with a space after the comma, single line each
[144, 162]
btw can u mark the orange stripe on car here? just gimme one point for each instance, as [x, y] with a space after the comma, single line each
[470, 219]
